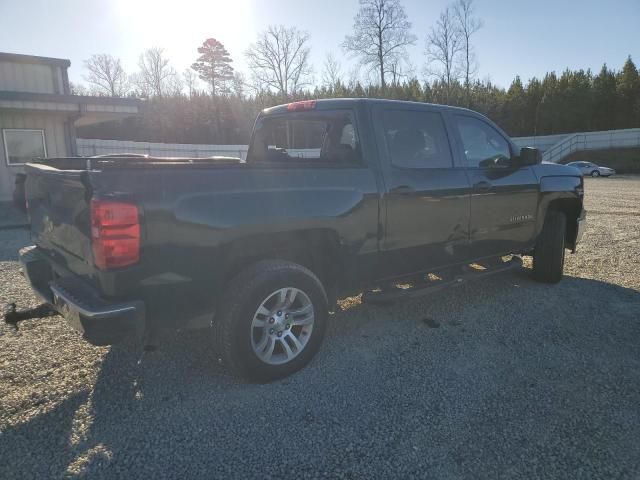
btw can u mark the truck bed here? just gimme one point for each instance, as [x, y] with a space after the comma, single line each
[196, 217]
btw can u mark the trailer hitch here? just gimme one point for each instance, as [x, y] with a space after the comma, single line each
[12, 316]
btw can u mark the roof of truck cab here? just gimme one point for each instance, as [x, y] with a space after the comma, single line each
[329, 103]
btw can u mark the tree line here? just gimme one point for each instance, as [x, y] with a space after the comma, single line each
[211, 102]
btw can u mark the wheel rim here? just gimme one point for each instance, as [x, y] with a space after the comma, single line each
[282, 326]
[595, 173]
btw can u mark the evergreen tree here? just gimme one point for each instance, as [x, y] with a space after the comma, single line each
[515, 107]
[604, 99]
[628, 96]
[214, 66]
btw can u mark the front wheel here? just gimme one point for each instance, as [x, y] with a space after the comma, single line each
[272, 320]
[548, 256]
[595, 173]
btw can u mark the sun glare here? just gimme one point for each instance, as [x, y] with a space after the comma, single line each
[180, 26]
[188, 11]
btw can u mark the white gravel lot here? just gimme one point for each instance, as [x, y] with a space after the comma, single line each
[508, 379]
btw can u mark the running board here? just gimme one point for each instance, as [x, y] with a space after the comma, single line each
[438, 280]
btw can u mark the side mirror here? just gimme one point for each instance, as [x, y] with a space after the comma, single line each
[529, 156]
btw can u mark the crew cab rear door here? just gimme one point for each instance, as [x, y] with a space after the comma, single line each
[315, 173]
[426, 194]
[504, 195]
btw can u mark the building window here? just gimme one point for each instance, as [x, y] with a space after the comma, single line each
[23, 145]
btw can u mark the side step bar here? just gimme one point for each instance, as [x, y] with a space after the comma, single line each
[438, 280]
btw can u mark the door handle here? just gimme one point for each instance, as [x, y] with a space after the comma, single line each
[482, 186]
[402, 190]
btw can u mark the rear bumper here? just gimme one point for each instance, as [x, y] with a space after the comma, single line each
[101, 321]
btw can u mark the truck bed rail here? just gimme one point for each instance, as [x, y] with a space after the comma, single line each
[130, 161]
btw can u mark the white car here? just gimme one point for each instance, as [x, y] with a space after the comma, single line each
[588, 168]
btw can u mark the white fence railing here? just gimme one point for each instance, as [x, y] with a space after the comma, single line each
[542, 143]
[554, 147]
[88, 147]
[592, 141]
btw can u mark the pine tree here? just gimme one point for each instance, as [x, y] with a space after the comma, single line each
[628, 95]
[214, 66]
[604, 99]
[548, 116]
[534, 97]
[515, 106]
[580, 98]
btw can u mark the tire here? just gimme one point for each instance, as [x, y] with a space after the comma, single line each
[238, 337]
[595, 173]
[548, 257]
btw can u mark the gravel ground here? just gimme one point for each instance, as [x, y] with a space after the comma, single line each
[503, 378]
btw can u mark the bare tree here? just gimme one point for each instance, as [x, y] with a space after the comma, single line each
[106, 75]
[140, 88]
[444, 44]
[190, 80]
[332, 71]
[381, 33]
[78, 89]
[238, 84]
[401, 70]
[280, 59]
[354, 76]
[174, 86]
[468, 25]
[156, 76]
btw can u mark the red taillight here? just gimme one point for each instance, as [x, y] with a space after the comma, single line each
[115, 234]
[304, 105]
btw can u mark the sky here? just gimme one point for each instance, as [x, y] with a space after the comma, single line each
[519, 37]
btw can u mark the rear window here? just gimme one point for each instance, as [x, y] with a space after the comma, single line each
[306, 136]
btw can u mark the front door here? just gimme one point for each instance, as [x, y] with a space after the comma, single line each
[426, 195]
[504, 196]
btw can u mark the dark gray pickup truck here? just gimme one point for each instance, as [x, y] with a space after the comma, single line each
[335, 197]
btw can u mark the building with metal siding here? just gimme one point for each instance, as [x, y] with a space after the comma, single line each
[38, 114]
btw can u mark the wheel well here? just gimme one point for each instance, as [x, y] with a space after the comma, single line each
[571, 208]
[316, 249]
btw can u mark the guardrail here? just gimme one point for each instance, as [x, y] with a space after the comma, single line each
[592, 141]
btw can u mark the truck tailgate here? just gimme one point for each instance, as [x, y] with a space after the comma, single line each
[59, 206]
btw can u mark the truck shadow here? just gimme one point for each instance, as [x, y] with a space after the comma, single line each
[160, 412]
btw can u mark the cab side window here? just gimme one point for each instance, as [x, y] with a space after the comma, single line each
[481, 142]
[416, 139]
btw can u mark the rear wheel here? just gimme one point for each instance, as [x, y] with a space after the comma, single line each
[548, 257]
[595, 173]
[272, 320]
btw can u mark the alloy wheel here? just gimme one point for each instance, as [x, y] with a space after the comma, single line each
[282, 326]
